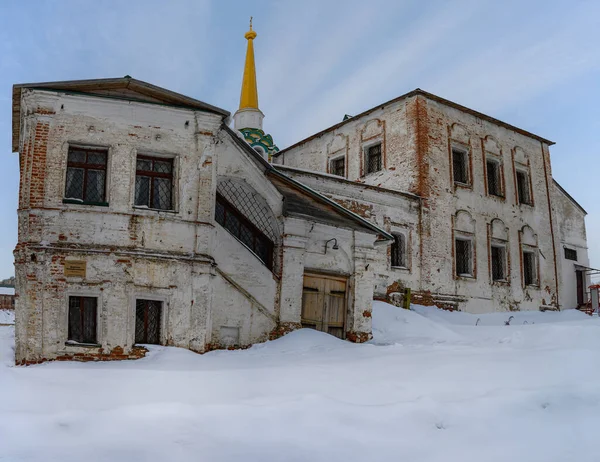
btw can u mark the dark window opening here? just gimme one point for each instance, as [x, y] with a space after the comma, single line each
[147, 321]
[493, 178]
[571, 254]
[523, 188]
[529, 269]
[460, 167]
[86, 175]
[464, 265]
[399, 250]
[498, 263]
[373, 159]
[245, 231]
[338, 167]
[154, 183]
[82, 319]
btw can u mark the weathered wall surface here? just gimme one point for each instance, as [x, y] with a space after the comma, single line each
[417, 135]
[393, 211]
[215, 292]
[572, 235]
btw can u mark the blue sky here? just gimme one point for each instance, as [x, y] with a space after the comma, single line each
[533, 64]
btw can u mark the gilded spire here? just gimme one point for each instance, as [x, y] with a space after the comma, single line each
[249, 96]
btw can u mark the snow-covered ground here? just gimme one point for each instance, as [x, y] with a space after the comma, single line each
[7, 317]
[431, 386]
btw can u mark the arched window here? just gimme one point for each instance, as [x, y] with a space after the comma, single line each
[464, 245]
[248, 217]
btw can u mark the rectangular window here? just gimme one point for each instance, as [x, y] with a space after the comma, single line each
[493, 178]
[86, 176]
[498, 262]
[464, 257]
[524, 194]
[237, 224]
[571, 254]
[338, 167]
[82, 319]
[530, 274]
[373, 159]
[460, 166]
[154, 183]
[399, 251]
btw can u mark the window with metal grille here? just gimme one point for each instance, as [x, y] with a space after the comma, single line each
[498, 261]
[147, 321]
[86, 176]
[463, 257]
[493, 178]
[373, 159]
[530, 275]
[238, 225]
[399, 250]
[338, 167]
[523, 187]
[82, 319]
[460, 166]
[154, 183]
[571, 254]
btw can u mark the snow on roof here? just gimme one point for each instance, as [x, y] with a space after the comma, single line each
[7, 290]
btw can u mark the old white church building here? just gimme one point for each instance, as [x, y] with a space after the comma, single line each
[144, 218]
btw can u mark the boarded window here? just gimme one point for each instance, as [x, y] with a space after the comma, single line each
[399, 250]
[338, 167]
[373, 159]
[571, 254]
[530, 275]
[498, 262]
[86, 175]
[154, 183]
[460, 166]
[244, 230]
[464, 257]
[523, 190]
[493, 178]
[82, 319]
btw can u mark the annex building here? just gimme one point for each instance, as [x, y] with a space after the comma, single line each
[144, 218]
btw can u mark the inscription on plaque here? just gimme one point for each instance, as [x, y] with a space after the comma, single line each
[75, 268]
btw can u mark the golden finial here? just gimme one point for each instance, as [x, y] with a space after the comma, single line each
[250, 35]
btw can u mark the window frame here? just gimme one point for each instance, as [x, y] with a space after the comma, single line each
[524, 171]
[499, 179]
[471, 274]
[569, 249]
[152, 174]
[86, 166]
[465, 152]
[367, 155]
[533, 251]
[403, 263]
[230, 208]
[332, 162]
[505, 262]
[81, 296]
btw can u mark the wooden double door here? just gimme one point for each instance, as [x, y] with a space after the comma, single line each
[324, 303]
